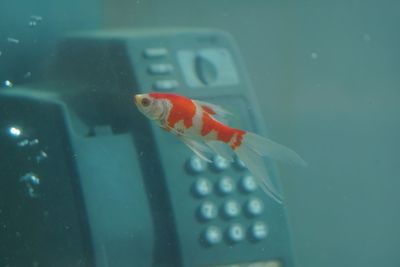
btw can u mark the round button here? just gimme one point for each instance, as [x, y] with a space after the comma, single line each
[202, 187]
[196, 164]
[236, 233]
[212, 235]
[239, 163]
[248, 183]
[226, 185]
[254, 207]
[220, 163]
[259, 231]
[208, 210]
[231, 209]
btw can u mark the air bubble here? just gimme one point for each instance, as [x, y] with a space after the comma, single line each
[30, 178]
[27, 75]
[8, 83]
[31, 181]
[367, 37]
[37, 17]
[34, 142]
[32, 23]
[12, 40]
[314, 55]
[14, 131]
[41, 156]
[23, 143]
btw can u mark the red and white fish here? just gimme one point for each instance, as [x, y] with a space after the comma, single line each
[194, 122]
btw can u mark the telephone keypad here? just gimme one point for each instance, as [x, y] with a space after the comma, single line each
[238, 212]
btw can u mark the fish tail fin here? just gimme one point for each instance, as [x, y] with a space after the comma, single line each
[251, 152]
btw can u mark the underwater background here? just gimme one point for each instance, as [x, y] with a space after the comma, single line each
[327, 77]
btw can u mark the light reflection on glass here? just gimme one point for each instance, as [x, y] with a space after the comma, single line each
[14, 131]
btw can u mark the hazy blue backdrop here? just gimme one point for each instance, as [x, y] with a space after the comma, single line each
[327, 74]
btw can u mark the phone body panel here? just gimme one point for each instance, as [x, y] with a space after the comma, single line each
[201, 64]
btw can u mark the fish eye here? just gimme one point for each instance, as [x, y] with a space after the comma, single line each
[145, 102]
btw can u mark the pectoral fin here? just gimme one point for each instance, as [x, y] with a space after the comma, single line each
[198, 148]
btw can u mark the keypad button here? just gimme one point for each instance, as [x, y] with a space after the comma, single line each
[212, 235]
[155, 52]
[202, 187]
[259, 231]
[231, 209]
[226, 185]
[254, 207]
[239, 163]
[248, 184]
[208, 211]
[165, 85]
[196, 164]
[160, 69]
[220, 163]
[236, 233]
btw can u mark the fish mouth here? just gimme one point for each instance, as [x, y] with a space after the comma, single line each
[137, 99]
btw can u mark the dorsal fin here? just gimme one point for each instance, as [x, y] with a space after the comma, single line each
[213, 109]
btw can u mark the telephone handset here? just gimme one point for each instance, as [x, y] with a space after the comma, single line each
[200, 214]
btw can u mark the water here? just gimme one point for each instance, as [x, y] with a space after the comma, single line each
[91, 185]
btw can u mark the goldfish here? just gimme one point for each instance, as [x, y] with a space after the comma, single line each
[195, 123]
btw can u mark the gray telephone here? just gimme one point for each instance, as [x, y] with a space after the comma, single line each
[149, 200]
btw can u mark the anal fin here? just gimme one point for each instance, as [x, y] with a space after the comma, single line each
[221, 149]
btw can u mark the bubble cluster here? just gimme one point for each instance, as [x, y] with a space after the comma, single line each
[34, 20]
[31, 182]
[14, 131]
[31, 151]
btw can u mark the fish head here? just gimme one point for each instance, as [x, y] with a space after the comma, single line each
[151, 107]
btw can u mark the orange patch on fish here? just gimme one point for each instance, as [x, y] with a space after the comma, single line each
[182, 109]
[224, 133]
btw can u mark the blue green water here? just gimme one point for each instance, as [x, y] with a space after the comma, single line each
[326, 78]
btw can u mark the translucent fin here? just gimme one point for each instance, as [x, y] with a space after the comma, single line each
[213, 109]
[256, 166]
[266, 147]
[198, 148]
[221, 148]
